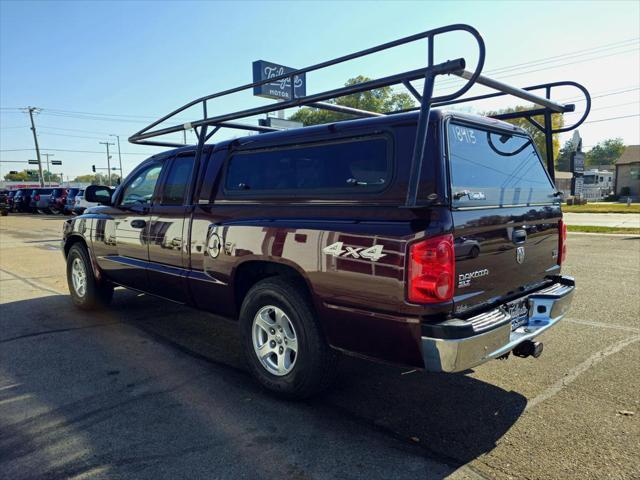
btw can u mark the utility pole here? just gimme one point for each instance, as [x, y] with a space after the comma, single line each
[108, 159]
[35, 139]
[49, 168]
[119, 156]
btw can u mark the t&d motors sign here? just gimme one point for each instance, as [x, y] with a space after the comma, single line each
[279, 89]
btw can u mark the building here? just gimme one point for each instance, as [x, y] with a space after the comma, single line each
[563, 182]
[628, 172]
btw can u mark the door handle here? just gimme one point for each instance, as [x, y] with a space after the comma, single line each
[138, 223]
[518, 236]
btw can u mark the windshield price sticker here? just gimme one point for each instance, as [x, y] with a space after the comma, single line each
[465, 135]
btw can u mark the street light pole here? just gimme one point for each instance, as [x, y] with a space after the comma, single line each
[108, 160]
[119, 155]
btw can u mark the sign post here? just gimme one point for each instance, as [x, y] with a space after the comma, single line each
[577, 167]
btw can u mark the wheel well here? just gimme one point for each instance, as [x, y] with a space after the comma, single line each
[71, 241]
[251, 272]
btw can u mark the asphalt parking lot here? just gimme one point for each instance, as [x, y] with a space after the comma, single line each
[150, 389]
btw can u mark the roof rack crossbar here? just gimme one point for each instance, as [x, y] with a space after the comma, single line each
[515, 91]
[348, 110]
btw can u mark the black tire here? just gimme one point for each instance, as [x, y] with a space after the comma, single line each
[315, 362]
[96, 294]
[4, 212]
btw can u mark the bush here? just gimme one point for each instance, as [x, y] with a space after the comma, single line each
[625, 191]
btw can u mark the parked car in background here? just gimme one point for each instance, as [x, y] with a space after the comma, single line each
[22, 199]
[4, 202]
[71, 200]
[81, 204]
[58, 200]
[40, 200]
[10, 197]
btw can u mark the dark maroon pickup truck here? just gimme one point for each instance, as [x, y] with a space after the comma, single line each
[300, 235]
[427, 238]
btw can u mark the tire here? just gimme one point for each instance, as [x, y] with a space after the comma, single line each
[94, 294]
[311, 369]
[4, 212]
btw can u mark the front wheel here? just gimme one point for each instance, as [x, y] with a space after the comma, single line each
[285, 347]
[86, 292]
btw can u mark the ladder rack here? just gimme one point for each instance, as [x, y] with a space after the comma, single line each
[426, 100]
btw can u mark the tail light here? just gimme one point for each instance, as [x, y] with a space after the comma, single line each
[562, 242]
[36, 198]
[431, 270]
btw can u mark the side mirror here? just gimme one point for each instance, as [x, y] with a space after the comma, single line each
[98, 194]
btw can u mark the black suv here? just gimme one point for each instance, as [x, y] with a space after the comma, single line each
[432, 239]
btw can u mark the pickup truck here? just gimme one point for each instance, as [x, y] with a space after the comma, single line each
[299, 236]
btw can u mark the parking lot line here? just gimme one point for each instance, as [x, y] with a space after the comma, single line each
[614, 326]
[578, 370]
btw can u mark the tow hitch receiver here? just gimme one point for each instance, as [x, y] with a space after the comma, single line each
[528, 348]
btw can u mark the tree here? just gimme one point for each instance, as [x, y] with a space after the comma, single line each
[605, 152]
[377, 100]
[23, 176]
[97, 179]
[32, 176]
[557, 121]
[563, 162]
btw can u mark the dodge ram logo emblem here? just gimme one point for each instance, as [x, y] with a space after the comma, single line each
[520, 254]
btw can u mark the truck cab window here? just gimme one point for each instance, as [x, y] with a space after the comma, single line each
[140, 189]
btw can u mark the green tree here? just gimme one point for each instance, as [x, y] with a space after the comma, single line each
[557, 121]
[563, 162]
[377, 100]
[23, 176]
[97, 179]
[605, 152]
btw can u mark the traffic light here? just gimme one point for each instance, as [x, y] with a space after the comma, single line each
[93, 167]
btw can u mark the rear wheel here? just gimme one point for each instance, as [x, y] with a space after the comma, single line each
[285, 347]
[86, 292]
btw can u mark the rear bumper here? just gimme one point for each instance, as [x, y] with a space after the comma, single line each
[492, 335]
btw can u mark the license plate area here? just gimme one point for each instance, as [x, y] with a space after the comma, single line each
[519, 312]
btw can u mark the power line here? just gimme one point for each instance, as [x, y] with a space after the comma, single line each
[71, 151]
[73, 136]
[74, 130]
[613, 118]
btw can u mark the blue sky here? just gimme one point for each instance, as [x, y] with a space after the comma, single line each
[125, 63]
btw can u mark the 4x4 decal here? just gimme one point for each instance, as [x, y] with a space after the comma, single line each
[370, 253]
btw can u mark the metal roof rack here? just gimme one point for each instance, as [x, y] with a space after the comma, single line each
[547, 106]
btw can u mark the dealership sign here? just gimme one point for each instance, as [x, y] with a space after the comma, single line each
[279, 89]
[577, 162]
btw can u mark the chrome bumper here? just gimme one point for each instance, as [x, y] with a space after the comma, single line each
[492, 335]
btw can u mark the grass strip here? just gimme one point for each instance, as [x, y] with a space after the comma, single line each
[602, 208]
[594, 229]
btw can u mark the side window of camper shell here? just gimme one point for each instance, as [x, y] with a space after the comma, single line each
[350, 166]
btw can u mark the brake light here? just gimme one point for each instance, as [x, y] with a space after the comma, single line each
[431, 270]
[562, 242]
